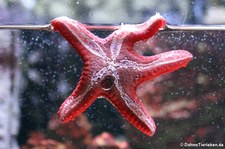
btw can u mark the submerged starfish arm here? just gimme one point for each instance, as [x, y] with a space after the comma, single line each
[81, 98]
[162, 63]
[79, 37]
[132, 109]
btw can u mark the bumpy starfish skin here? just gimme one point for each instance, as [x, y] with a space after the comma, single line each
[112, 69]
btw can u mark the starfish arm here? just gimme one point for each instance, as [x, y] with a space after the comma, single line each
[81, 98]
[79, 37]
[129, 34]
[143, 31]
[131, 108]
[159, 64]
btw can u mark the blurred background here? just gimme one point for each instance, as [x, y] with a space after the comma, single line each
[39, 69]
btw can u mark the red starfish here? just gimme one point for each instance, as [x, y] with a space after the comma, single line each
[112, 69]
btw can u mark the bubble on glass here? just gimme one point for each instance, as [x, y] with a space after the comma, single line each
[34, 75]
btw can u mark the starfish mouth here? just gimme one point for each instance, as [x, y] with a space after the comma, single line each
[107, 82]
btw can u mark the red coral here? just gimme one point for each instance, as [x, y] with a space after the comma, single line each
[107, 141]
[38, 140]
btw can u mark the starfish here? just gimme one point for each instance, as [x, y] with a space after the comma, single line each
[113, 70]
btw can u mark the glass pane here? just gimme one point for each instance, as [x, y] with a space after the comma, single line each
[40, 69]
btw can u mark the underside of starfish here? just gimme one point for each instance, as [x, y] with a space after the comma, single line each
[112, 69]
